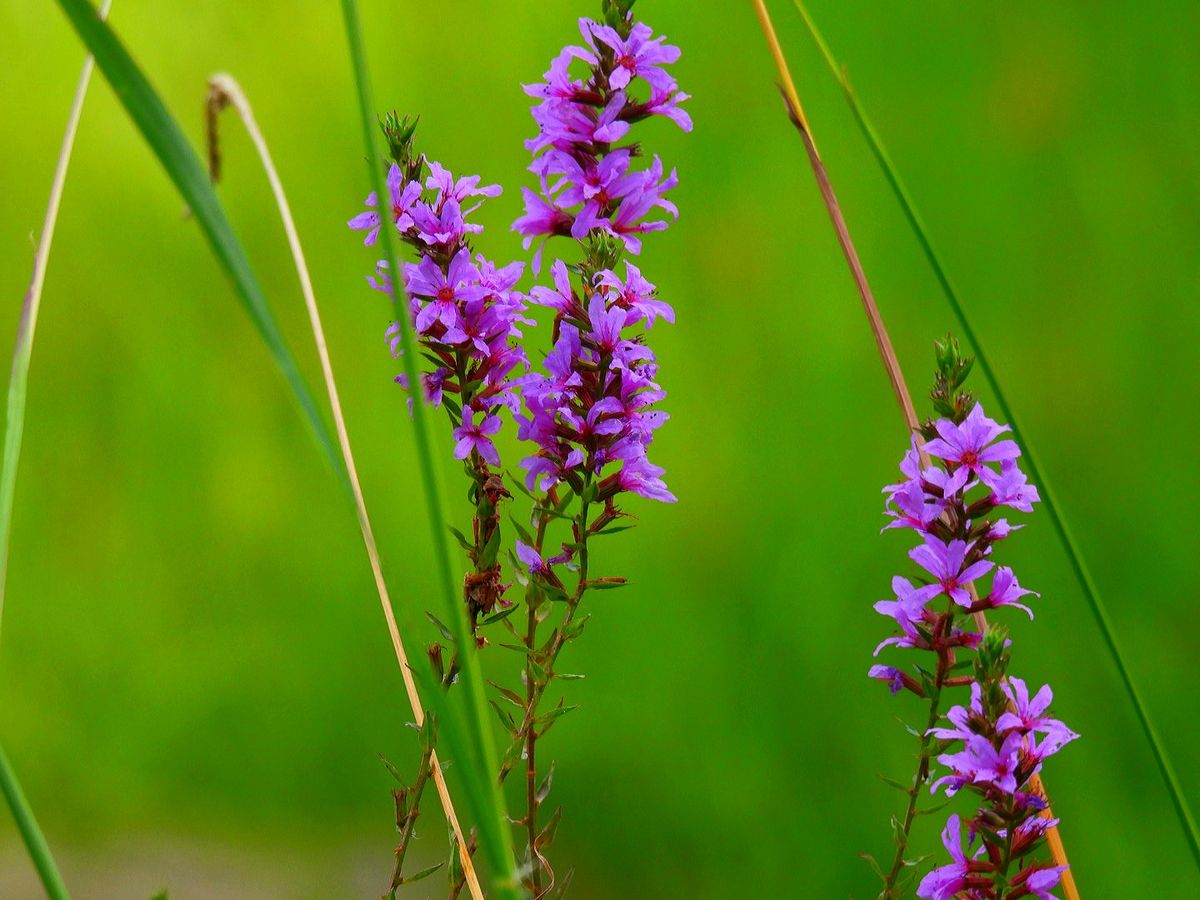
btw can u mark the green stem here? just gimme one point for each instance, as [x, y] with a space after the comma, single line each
[31, 834]
[559, 640]
[486, 796]
[1079, 567]
[914, 793]
[416, 792]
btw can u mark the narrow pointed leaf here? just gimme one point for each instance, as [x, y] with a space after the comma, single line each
[183, 166]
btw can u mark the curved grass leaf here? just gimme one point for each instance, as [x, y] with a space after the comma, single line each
[1090, 592]
[31, 834]
[469, 728]
[183, 167]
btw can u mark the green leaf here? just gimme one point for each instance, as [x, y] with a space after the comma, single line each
[440, 626]
[544, 788]
[424, 873]
[873, 864]
[557, 713]
[491, 549]
[612, 529]
[510, 695]
[393, 771]
[185, 170]
[462, 539]
[522, 531]
[546, 835]
[506, 718]
[498, 616]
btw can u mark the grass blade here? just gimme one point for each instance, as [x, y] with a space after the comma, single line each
[31, 834]
[483, 791]
[223, 91]
[169, 144]
[1082, 574]
[895, 375]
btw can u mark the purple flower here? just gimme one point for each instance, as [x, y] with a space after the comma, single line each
[1027, 714]
[402, 196]
[913, 508]
[642, 477]
[444, 225]
[1007, 592]
[532, 559]
[446, 291]
[637, 56]
[946, 882]
[960, 718]
[893, 676]
[967, 444]
[1042, 881]
[442, 180]
[471, 436]
[635, 294]
[945, 563]
[980, 762]
[541, 218]
[1010, 487]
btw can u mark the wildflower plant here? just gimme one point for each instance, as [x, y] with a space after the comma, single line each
[959, 474]
[588, 412]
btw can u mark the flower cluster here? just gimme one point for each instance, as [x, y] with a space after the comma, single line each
[465, 308]
[1004, 736]
[467, 316]
[955, 482]
[591, 408]
[587, 183]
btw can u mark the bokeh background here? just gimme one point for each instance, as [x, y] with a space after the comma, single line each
[195, 678]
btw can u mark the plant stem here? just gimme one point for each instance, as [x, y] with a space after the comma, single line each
[31, 834]
[410, 818]
[1079, 567]
[910, 812]
[531, 808]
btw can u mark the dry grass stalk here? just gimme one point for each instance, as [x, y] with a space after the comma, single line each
[225, 91]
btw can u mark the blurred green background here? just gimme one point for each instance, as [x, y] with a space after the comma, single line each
[195, 678]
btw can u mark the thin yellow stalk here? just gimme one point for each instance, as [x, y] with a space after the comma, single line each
[23, 351]
[882, 340]
[223, 91]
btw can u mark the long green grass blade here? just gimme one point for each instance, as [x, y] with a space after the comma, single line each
[1078, 566]
[183, 166]
[31, 834]
[478, 771]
